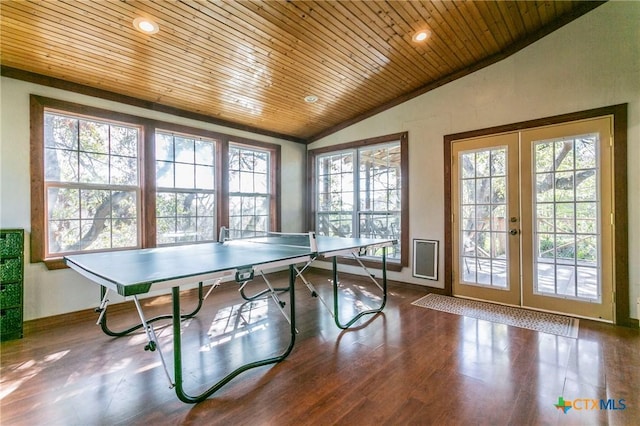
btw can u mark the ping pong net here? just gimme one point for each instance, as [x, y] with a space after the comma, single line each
[305, 241]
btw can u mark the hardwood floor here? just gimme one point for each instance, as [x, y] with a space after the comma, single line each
[409, 365]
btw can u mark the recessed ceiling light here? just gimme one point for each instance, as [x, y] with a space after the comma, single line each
[145, 25]
[421, 35]
[311, 99]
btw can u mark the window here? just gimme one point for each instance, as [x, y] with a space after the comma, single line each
[380, 192]
[335, 194]
[92, 187]
[249, 191]
[360, 190]
[103, 180]
[185, 185]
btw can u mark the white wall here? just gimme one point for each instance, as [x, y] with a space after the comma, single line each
[590, 63]
[48, 293]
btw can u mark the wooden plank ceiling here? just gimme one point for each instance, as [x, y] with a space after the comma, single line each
[250, 64]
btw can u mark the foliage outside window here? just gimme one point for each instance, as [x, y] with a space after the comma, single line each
[249, 191]
[91, 184]
[335, 194]
[484, 201]
[566, 207]
[359, 191]
[186, 196]
[380, 193]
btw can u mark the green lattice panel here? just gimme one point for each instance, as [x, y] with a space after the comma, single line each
[10, 321]
[10, 270]
[11, 243]
[10, 295]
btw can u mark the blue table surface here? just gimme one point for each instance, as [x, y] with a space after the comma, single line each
[134, 267]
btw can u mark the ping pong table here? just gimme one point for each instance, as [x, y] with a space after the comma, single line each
[132, 273]
[331, 249]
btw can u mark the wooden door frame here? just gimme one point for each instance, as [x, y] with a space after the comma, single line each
[620, 237]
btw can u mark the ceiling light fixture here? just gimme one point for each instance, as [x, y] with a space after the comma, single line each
[311, 99]
[421, 35]
[145, 25]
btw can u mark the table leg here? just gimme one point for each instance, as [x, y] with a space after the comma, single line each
[177, 348]
[336, 308]
[102, 310]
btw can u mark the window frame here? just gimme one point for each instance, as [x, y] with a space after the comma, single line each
[312, 208]
[195, 190]
[272, 181]
[147, 184]
[81, 185]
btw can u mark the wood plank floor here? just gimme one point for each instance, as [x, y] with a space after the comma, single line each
[410, 365]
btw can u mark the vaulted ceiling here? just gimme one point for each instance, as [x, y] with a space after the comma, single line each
[250, 64]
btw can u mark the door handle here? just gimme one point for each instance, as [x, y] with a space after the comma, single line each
[514, 231]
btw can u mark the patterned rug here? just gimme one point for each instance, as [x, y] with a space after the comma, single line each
[517, 317]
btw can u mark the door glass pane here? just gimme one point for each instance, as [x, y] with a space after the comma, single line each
[483, 231]
[566, 234]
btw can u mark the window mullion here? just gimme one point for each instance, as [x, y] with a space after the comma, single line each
[356, 194]
[147, 186]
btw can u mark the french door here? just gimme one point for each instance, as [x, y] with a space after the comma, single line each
[532, 218]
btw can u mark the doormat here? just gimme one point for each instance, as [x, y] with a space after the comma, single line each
[524, 318]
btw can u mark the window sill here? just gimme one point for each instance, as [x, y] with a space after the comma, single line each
[55, 263]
